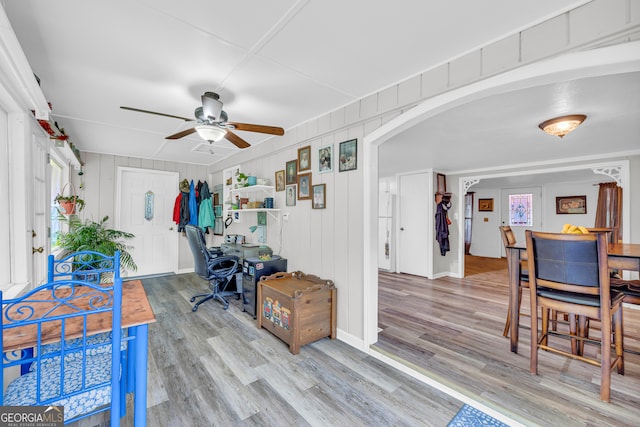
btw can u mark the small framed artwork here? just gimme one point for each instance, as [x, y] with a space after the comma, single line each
[319, 196]
[441, 183]
[304, 186]
[304, 158]
[348, 156]
[280, 180]
[291, 195]
[485, 205]
[292, 172]
[325, 158]
[571, 205]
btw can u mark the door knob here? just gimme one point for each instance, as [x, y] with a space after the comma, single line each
[401, 228]
[39, 250]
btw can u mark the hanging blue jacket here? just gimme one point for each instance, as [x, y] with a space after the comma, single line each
[193, 205]
[206, 218]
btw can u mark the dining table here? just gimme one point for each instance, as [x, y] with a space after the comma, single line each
[137, 314]
[621, 256]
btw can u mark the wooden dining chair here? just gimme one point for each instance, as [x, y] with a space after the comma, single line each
[509, 239]
[569, 273]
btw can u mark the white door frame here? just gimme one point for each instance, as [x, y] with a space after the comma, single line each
[118, 207]
[40, 207]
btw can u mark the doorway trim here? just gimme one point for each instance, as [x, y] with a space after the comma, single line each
[121, 170]
[604, 61]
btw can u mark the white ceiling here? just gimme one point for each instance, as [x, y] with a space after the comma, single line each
[500, 130]
[284, 62]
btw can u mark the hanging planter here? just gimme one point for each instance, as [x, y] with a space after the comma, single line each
[69, 204]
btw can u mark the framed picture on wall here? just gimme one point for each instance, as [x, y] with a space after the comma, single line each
[319, 196]
[348, 159]
[485, 205]
[304, 158]
[280, 180]
[304, 186]
[292, 172]
[291, 195]
[325, 159]
[441, 183]
[571, 205]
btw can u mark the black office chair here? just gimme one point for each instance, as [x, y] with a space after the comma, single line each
[213, 266]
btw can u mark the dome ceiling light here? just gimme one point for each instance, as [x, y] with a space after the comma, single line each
[560, 126]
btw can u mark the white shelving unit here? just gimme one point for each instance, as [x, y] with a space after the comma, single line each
[253, 193]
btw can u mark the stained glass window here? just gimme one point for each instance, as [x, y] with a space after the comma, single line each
[520, 210]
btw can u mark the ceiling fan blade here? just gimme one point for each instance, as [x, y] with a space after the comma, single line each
[138, 110]
[236, 140]
[181, 134]
[271, 130]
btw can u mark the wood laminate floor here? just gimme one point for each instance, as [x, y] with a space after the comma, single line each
[216, 368]
[451, 330]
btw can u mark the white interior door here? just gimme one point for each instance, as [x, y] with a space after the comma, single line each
[536, 212]
[40, 210]
[155, 246]
[415, 227]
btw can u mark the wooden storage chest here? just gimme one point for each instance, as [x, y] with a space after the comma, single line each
[298, 308]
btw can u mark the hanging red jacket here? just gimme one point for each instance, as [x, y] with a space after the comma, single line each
[176, 209]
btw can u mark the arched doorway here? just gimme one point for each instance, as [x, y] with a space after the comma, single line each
[617, 59]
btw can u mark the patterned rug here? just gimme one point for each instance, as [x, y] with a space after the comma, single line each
[468, 416]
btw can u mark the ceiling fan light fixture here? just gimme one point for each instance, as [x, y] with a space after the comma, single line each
[560, 126]
[211, 133]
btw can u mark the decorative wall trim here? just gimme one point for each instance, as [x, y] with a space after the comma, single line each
[467, 183]
[614, 172]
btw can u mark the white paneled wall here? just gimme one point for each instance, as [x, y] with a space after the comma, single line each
[329, 242]
[98, 188]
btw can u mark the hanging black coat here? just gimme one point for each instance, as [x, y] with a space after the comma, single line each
[184, 211]
[442, 227]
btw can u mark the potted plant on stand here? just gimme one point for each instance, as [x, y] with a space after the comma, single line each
[96, 236]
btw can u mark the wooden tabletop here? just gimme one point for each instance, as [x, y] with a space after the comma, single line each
[624, 249]
[136, 310]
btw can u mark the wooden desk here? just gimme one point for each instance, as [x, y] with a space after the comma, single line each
[622, 256]
[136, 316]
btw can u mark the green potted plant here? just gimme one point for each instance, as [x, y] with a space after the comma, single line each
[95, 236]
[243, 180]
[68, 204]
